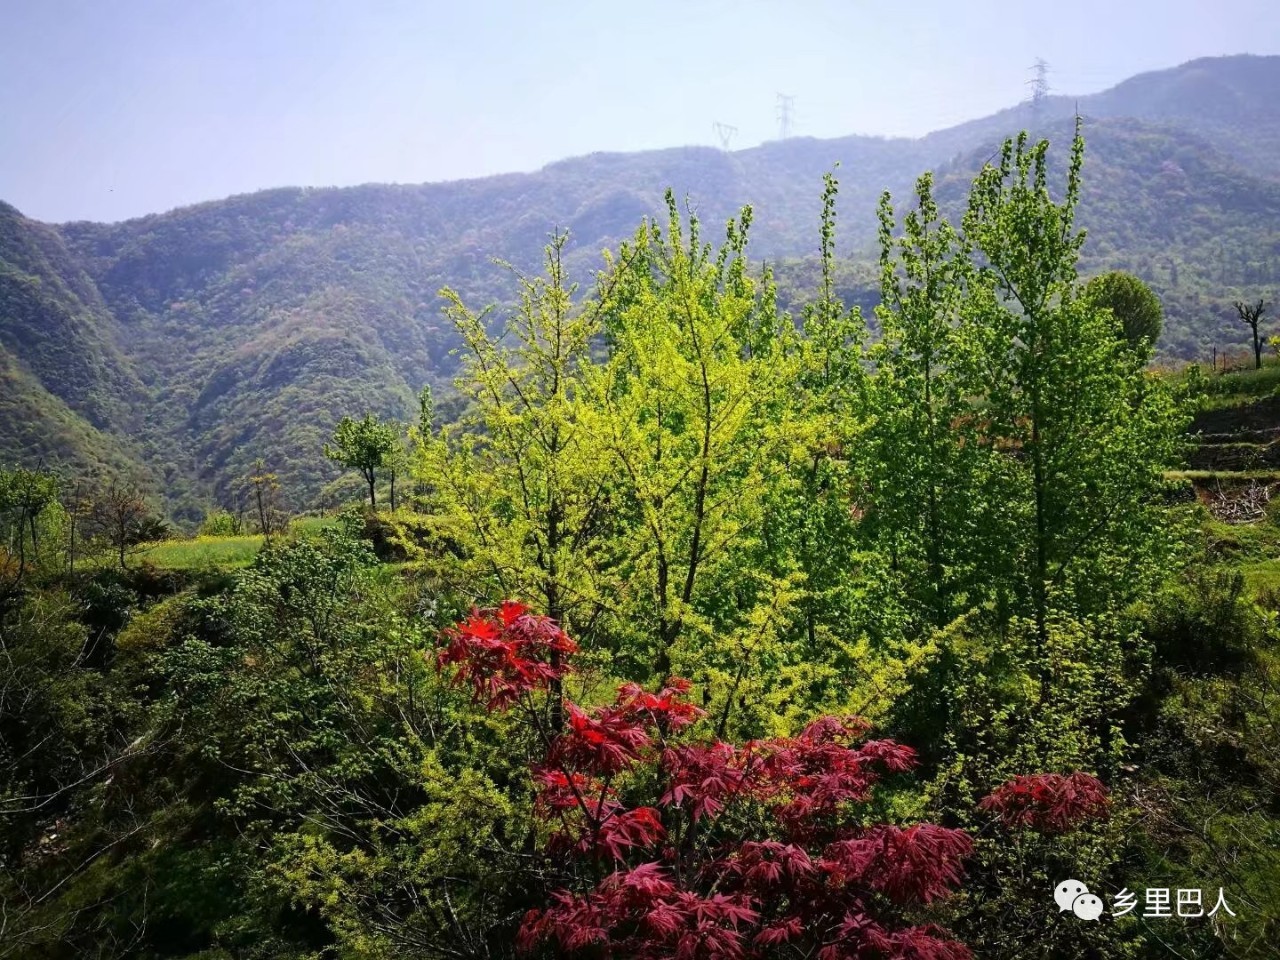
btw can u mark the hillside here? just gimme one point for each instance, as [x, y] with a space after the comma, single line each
[70, 393]
[1227, 100]
[188, 344]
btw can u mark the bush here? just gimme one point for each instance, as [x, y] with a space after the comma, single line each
[405, 536]
[219, 523]
[1205, 624]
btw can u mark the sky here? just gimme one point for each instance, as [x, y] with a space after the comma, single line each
[111, 109]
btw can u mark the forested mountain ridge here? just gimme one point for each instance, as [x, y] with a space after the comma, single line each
[1230, 101]
[69, 391]
[199, 340]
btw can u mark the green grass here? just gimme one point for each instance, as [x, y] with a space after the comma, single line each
[1263, 575]
[309, 526]
[223, 553]
[1244, 541]
[1241, 386]
[220, 553]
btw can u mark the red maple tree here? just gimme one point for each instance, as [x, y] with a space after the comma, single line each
[671, 845]
[1048, 802]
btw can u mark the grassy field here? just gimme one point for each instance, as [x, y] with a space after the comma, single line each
[222, 553]
[1241, 386]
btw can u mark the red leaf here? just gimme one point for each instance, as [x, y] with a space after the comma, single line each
[916, 863]
[506, 653]
[1048, 802]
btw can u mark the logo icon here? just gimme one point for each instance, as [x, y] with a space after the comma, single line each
[1075, 896]
[1087, 906]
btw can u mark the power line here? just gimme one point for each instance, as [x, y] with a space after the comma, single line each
[725, 132]
[1039, 87]
[786, 109]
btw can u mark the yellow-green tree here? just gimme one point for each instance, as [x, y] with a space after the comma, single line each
[693, 414]
[517, 482]
[367, 445]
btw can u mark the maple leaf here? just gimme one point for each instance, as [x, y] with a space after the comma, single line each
[668, 708]
[640, 827]
[606, 743]
[1048, 802]
[505, 653]
[748, 894]
[703, 777]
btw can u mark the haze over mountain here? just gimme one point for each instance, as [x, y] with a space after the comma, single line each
[181, 347]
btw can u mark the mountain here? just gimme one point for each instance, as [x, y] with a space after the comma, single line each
[1229, 101]
[181, 347]
[69, 391]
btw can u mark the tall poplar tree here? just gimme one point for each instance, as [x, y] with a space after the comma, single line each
[922, 458]
[1085, 432]
[813, 511]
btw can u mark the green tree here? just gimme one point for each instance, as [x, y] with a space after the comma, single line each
[1084, 431]
[426, 410]
[397, 462]
[365, 445]
[813, 518]
[922, 456]
[342, 762]
[24, 496]
[1133, 304]
[693, 413]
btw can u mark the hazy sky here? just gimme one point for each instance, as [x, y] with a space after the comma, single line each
[115, 108]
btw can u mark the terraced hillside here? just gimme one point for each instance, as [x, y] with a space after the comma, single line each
[1234, 471]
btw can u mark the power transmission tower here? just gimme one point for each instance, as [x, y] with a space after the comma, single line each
[725, 132]
[1039, 88]
[786, 107]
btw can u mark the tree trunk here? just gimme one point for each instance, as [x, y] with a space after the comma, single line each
[22, 543]
[1042, 562]
[262, 514]
[555, 607]
[933, 536]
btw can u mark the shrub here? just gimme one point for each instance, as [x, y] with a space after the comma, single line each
[659, 842]
[219, 523]
[1205, 625]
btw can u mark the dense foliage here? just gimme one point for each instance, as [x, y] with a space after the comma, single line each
[1134, 306]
